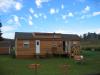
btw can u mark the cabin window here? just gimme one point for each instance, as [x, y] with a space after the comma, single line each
[75, 42]
[26, 44]
[37, 43]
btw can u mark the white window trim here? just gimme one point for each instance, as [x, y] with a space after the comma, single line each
[26, 42]
[75, 42]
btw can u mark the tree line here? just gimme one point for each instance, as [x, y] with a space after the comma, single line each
[90, 36]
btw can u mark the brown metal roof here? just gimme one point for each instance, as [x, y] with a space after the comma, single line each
[70, 37]
[7, 43]
[47, 35]
[26, 35]
[23, 35]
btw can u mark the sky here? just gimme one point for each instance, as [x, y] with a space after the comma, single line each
[60, 16]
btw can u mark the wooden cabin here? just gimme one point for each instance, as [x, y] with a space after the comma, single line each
[29, 45]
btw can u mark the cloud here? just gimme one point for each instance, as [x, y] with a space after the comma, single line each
[86, 16]
[12, 25]
[57, 10]
[83, 17]
[31, 10]
[8, 31]
[53, 11]
[8, 35]
[16, 20]
[18, 6]
[36, 15]
[40, 14]
[44, 16]
[70, 14]
[30, 17]
[97, 30]
[23, 18]
[7, 28]
[96, 13]
[64, 17]
[10, 21]
[30, 21]
[86, 9]
[39, 2]
[62, 6]
[6, 5]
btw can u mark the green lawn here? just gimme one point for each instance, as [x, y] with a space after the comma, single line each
[50, 66]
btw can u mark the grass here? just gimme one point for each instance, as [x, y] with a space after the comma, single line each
[50, 66]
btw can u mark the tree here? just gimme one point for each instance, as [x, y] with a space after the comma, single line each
[0, 32]
[91, 36]
[85, 36]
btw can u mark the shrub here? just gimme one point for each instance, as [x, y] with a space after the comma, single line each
[12, 52]
[91, 49]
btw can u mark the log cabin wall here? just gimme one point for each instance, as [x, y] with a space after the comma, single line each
[47, 47]
[25, 52]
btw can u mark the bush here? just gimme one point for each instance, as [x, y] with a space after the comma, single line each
[91, 49]
[12, 52]
[97, 49]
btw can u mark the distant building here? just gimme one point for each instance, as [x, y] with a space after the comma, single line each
[5, 46]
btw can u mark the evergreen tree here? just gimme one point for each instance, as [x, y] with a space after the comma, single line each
[0, 32]
[91, 36]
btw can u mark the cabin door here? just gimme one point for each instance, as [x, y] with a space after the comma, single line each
[65, 46]
[37, 46]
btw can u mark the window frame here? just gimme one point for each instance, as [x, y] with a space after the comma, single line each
[75, 42]
[26, 44]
